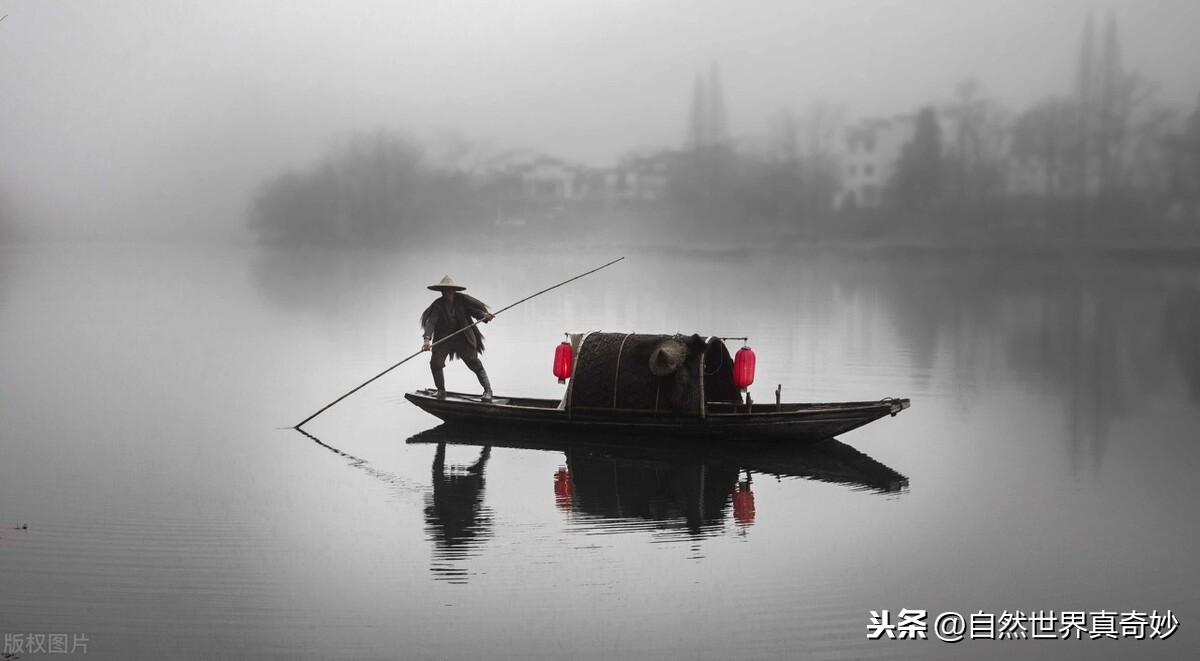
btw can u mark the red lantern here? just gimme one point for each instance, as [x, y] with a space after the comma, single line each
[743, 368]
[563, 358]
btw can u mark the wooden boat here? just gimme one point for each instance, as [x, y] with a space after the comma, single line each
[661, 385]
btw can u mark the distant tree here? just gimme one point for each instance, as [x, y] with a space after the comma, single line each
[1118, 98]
[1191, 139]
[918, 180]
[819, 167]
[1085, 101]
[976, 151]
[1184, 162]
[1044, 141]
[1149, 159]
[762, 191]
[453, 152]
[703, 183]
[783, 129]
[370, 189]
[294, 207]
[6, 220]
[378, 181]
[802, 165]
[1109, 99]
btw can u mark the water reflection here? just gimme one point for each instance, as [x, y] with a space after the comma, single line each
[395, 481]
[324, 282]
[456, 519]
[1098, 336]
[679, 495]
[1181, 328]
[679, 489]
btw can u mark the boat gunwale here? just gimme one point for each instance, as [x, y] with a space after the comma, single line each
[460, 401]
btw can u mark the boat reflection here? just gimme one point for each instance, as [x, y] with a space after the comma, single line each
[619, 484]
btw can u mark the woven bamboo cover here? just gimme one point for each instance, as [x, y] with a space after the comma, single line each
[612, 370]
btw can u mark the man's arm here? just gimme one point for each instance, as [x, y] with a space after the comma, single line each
[478, 309]
[428, 323]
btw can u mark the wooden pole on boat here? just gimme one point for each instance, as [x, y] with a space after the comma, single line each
[494, 314]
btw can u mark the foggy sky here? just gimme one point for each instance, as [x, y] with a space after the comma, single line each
[163, 117]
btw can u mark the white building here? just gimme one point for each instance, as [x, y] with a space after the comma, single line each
[869, 154]
[550, 180]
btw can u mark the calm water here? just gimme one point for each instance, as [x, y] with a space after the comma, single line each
[151, 503]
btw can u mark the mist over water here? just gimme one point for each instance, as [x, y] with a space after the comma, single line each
[1046, 462]
[125, 121]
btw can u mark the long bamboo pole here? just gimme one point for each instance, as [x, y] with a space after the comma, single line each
[494, 314]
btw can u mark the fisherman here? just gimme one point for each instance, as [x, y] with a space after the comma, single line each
[448, 314]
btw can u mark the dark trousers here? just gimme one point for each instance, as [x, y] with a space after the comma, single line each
[459, 347]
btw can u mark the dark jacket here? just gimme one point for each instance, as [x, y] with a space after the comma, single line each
[438, 321]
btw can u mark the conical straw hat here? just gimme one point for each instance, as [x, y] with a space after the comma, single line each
[445, 284]
[667, 357]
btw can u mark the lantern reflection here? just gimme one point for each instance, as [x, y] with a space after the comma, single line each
[743, 503]
[563, 490]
